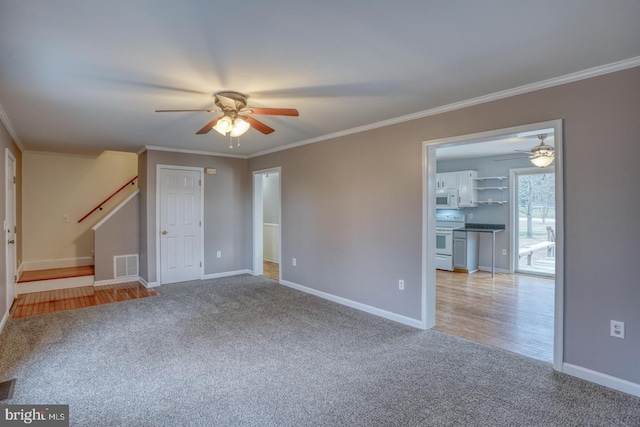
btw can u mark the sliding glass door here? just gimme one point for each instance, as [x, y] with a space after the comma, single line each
[535, 228]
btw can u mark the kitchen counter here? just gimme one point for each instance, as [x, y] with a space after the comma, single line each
[486, 228]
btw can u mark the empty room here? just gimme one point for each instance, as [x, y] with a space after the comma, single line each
[309, 213]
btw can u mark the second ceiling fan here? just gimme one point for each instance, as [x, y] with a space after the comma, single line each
[236, 117]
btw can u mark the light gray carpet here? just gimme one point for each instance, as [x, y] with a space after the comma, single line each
[247, 351]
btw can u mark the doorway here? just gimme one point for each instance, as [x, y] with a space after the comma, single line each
[534, 221]
[180, 196]
[267, 225]
[429, 223]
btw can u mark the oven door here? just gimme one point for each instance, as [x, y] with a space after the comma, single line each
[444, 242]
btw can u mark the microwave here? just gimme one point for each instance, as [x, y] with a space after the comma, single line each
[447, 199]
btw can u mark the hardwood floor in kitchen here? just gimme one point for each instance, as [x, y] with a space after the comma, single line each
[512, 312]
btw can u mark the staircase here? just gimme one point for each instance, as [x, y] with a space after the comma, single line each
[54, 279]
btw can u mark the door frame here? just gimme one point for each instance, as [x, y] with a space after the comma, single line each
[10, 204]
[429, 223]
[159, 168]
[258, 220]
[513, 214]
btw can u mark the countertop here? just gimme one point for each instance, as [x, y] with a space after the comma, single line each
[483, 228]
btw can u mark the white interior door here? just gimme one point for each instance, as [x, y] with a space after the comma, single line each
[10, 226]
[180, 225]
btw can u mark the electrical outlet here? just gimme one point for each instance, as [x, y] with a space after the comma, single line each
[504, 252]
[401, 285]
[219, 254]
[293, 261]
[617, 329]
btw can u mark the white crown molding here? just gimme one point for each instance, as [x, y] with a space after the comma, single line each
[181, 150]
[7, 124]
[544, 84]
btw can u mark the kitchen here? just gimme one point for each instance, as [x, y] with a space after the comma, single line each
[480, 293]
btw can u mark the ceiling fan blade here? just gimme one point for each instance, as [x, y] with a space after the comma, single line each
[512, 158]
[186, 111]
[273, 111]
[207, 128]
[258, 125]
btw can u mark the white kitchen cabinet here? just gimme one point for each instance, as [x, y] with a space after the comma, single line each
[465, 250]
[467, 192]
[447, 180]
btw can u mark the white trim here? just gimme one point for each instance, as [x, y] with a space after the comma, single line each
[488, 269]
[140, 151]
[602, 379]
[45, 264]
[148, 284]
[428, 254]
[115, 210]
[202, 153]
[3, 322]
[20, 269]
[117, 281]
[226, 274]
[157, 227]
[10, 210]
[7, 124]
[532, 87]
[54, 284]
[353, 304]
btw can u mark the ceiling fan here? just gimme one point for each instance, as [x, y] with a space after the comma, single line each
[541, 155]
[236, 117]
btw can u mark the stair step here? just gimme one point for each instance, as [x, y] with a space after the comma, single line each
[56, 273]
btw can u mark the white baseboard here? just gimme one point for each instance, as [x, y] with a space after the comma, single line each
[358, 306]
[498, 270]
[20, 269]
[225, 274]
[148, 284]
[117, 281]
[53, 285]
[602, 379]
[4, 321]
[46, 264]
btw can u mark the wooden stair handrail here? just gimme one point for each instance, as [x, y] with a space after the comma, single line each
[108, 198]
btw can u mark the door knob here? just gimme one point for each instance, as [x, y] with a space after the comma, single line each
[164, 231]
[12, 241]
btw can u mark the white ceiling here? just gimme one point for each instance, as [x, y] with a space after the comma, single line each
[82, 76]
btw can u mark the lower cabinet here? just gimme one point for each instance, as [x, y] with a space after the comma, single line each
[465, 250]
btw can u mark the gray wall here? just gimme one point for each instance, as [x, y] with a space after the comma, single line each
[7, 142]
[119, 235]
[271, 198]
[227, 211]
[352, 215]
[489, 214]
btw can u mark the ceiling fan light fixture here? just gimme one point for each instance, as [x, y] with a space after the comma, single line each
[543, 160]
[224, 125]
[240, 126]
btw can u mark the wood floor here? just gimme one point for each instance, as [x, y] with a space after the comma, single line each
[56, 273]
[36, 303]
[271, 270]
[512, 312]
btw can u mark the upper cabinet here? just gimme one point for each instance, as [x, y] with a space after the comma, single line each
[464, 182]
[467, 193]
[447, 180]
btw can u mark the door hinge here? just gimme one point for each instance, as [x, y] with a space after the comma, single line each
[15, 279]
[14, 179]
[199, 182]
[200, 263]
[200, 223]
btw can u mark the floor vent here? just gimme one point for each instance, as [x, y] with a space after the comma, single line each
[125, 265]
[6, 389]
